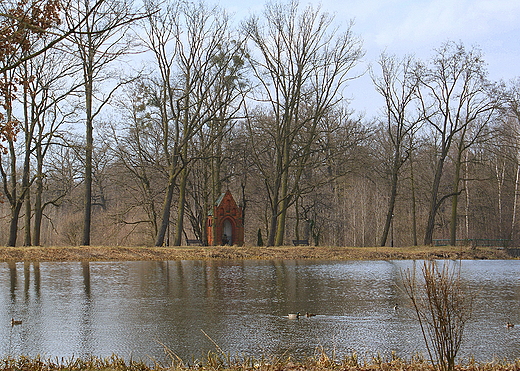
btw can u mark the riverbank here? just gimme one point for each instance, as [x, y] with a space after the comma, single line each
[110, 253]
[217, 362]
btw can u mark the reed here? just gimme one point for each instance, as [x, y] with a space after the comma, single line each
[217, 362]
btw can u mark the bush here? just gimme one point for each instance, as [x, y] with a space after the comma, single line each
[442, 308]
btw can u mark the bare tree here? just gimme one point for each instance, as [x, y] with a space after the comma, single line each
[514, 113]
[195, 55]
[302, 66]
[99, 41]
[398, 86]
[12, 189]
[22, 25]
[50, 85]
[139, 150]
[457, 106]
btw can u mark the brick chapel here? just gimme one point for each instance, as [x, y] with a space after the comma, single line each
[225, 224]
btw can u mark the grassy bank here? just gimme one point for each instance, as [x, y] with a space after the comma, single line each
[110, 253]
[213, 362]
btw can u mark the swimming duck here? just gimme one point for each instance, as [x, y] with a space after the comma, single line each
[15, 322]
[294, 315]
[307, 314]
[509, 325]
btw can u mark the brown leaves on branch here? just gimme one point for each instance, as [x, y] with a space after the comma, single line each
[25, 23]
[21, 26]
[8, 131]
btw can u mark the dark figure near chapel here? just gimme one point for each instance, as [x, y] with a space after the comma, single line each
[225, 224]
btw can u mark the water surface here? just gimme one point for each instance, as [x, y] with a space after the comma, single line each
[135, 309]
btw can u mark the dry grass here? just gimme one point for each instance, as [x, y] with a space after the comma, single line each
[110, 253]
[215, 362]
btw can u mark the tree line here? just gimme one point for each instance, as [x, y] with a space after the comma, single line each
[122, 126]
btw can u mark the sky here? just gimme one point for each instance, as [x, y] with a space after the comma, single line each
[417, 27]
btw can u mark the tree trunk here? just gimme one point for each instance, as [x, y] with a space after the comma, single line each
[87, 216]
[280, 227]
[275, 205]
[284, 195]
[391, 201]
[38, 208]
[89, 146]
[500, 174]
[297, 222]
[38, 216]
[27, 225]
[454, 204]
[13, 225]
[163, 227]
[26, 166]
[430, 225]
[515, 202]
[466, 193]
[18, 192]
[272, 229]
[216, 184]
[414, 206]
[15, 203]
[179, 226]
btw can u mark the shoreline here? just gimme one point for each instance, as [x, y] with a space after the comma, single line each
[224, 362]
[119, 253]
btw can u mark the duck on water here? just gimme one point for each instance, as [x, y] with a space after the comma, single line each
[298, 315]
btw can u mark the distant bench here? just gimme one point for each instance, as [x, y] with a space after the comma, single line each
[300, 242]
[193, 242]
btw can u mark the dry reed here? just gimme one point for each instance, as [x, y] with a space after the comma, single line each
[220, 362]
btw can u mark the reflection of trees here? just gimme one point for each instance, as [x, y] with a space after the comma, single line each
[86, 331]
[12, 279]
[240, 304]
[85, 267]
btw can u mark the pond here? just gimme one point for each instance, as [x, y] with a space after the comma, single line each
[137, 309]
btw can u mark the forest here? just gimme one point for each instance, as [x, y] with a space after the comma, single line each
[122, 125]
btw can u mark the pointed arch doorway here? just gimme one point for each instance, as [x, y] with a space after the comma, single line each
[227, 232]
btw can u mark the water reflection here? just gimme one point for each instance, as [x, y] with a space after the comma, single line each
[136, 308]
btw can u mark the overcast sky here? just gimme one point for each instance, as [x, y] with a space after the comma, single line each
[417, 27]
